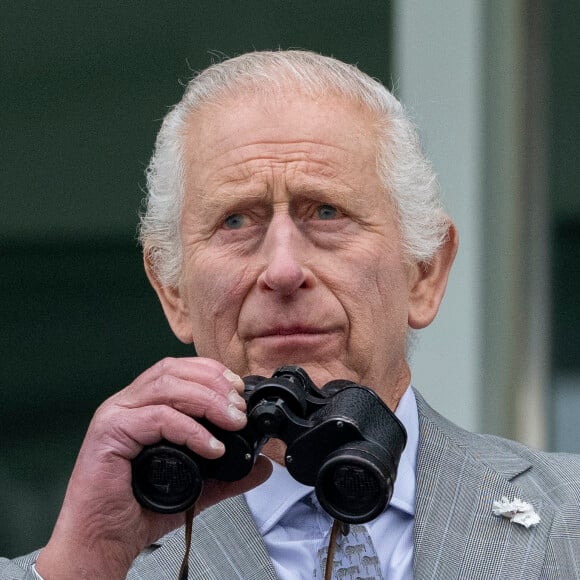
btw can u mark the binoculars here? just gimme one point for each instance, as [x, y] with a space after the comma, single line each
[341, 439]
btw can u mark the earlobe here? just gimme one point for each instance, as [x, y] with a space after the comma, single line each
[428, 282]
[174, 307]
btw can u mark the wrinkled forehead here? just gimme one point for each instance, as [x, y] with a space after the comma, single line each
[326, 137]
[273, 117]
[255, 151]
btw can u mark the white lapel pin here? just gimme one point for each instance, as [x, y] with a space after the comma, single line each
[517, 511]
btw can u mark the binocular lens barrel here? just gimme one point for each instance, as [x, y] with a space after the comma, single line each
[166, 479]
[354, 485]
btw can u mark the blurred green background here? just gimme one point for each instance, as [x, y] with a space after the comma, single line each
[83, 89]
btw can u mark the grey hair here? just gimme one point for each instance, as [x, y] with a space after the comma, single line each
[401, 165]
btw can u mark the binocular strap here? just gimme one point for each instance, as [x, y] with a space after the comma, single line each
[184, 569]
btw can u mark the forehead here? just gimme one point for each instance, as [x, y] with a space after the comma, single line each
[286, 135]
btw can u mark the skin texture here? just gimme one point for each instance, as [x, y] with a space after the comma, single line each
[291, 255]
[292, 252]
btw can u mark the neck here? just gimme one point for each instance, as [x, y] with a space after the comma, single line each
[275, 449]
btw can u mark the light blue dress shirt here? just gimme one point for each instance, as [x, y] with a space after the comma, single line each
[293, 531]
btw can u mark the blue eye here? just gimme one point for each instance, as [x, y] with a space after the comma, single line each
[235, 221]
[327, 212]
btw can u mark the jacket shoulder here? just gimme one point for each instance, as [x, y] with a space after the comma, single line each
[553, 475]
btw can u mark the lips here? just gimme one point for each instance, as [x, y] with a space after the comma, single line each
[290, 331]
[303, 342]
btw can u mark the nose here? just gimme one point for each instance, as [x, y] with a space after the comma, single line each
[285, 251]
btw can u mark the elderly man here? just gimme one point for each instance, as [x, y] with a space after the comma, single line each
[292, 219]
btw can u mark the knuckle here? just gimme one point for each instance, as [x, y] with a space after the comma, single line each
[197, 430]
[158, 414]
[214, 402]
[105, 412]
[166, 365]
[161, 384]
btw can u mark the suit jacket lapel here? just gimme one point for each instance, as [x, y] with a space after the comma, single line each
[459, 476]
[225, 544]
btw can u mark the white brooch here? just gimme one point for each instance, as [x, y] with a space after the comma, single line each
[517, 511]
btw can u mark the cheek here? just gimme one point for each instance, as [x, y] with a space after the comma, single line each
[377, 297]
[216, 294]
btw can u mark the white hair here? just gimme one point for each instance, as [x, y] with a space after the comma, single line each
[401, 165]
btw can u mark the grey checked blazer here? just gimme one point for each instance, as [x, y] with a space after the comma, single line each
[459, 476]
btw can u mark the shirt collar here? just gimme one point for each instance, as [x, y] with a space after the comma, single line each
[404, 490]
[271, 500]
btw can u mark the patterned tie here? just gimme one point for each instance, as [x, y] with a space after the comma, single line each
[354, 558]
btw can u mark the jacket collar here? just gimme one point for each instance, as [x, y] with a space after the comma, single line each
[459, 476]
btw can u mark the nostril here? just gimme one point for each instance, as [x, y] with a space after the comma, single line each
[284, 277]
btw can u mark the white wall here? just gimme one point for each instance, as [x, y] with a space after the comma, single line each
[438, 76]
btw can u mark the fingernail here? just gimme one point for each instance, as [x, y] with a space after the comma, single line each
[236, 380]
[235, 399]
[216, 444]
[236, 414]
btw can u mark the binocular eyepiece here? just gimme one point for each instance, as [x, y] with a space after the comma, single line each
[341, 439]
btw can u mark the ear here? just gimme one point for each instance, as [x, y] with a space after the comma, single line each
[172, 302]
[428, 280]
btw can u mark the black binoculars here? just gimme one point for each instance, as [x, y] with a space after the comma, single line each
[341, 439]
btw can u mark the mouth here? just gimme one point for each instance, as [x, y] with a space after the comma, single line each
[293, 340]
[291, 331]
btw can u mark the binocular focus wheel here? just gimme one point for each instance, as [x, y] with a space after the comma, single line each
[166, 479]
[353, 485]
[283, 389]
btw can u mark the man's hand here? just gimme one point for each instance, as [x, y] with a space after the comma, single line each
[101, 528]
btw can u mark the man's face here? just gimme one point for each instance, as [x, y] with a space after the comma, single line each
[291, 248]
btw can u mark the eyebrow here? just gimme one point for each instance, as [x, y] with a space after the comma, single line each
[231, 197]
[237, 199]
